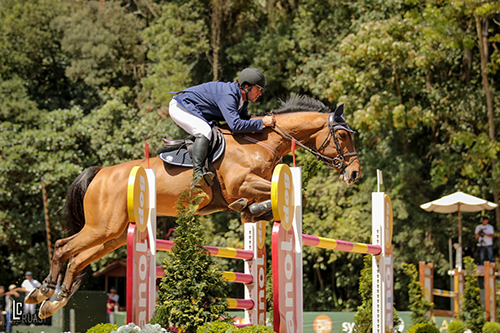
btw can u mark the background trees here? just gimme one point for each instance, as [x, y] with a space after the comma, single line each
[86, 83]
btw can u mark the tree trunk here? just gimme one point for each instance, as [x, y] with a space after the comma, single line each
[218, 12]
[482, 34]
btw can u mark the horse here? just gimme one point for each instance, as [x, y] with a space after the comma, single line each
[97, 199]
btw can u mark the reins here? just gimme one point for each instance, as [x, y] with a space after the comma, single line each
[337, 161]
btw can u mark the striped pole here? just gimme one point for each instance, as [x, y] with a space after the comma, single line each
[240, 304]
[234, 277]
[47, 224]
[340, 245]
[444, 293]
[223, 252]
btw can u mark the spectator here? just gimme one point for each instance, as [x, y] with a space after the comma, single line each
[111, 303]
[8, 304]
[2, 308]
[27, 286]
[116, 297]
[484, 235]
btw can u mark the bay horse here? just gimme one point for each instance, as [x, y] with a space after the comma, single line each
[97, 199]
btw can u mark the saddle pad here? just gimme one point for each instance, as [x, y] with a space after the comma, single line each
[181, 157]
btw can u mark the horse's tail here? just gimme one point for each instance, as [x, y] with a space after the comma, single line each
[75, 214]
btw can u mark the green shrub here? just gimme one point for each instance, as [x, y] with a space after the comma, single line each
[221, 327]
[256, 329]
[490, 327]
[363, 321]
[423, 328]
[103, 328]
[192, 290]
[217, 327]
[472, 312]
[457, 326]
[420, 307]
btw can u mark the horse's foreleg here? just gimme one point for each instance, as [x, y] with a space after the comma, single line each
[76, 264]
[254, 187]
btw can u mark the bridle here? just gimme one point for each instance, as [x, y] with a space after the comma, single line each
[333, 126]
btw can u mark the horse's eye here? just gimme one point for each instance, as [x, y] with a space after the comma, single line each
[342, 135]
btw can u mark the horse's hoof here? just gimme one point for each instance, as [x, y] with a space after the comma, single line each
[260, 208]
[239, 205]
[36, 296]
[48, 308]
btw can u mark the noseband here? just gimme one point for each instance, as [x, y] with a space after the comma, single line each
[333, 126]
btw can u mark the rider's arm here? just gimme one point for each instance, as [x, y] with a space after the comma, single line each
[229, 108]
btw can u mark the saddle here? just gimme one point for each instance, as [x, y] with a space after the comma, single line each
[178, 152]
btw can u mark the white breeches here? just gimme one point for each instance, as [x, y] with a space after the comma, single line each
[188, 121]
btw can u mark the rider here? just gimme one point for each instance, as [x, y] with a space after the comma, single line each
[194, 109]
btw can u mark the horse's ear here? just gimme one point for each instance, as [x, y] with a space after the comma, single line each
[338, 114]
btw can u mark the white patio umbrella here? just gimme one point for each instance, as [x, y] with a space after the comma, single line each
[458, 202]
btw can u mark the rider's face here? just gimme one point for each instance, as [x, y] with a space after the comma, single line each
[254, 93]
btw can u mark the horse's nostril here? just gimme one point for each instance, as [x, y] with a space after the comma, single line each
[355, 175]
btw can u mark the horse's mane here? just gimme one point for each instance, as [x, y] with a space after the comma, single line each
[295, 103]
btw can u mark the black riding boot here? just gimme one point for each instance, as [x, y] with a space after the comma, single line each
[200, 150]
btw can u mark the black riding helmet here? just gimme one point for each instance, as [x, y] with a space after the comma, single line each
[252, 76]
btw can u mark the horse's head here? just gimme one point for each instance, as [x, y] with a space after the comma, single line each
[336, 144]
[326, 135]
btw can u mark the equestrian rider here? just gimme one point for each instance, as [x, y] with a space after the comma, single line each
[194, 109]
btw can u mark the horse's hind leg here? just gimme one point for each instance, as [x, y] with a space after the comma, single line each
[48, 286]
[66, 248]
[76, 264]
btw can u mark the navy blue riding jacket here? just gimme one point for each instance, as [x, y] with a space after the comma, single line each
[219, 101]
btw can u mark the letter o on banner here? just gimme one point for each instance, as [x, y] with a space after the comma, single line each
[282, 196]
[138, 197]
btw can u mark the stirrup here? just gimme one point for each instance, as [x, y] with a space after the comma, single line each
[202, 179]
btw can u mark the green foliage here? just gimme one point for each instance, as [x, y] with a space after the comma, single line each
[457, 326]
[256, 329]
[103, 328]
[490, 327]
[221, 327]
[103, 44]
[472, 309]
[192, 291]
[497, 299]
[419, 306]
[177, 40]
[217, 327]
[363, 320]
[423, 328]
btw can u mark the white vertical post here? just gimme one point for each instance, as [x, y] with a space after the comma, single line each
[382, 270]
[255, 234]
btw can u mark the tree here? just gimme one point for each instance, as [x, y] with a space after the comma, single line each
[420, 307]
[103, 44]
[192, 291]
[472, 309]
